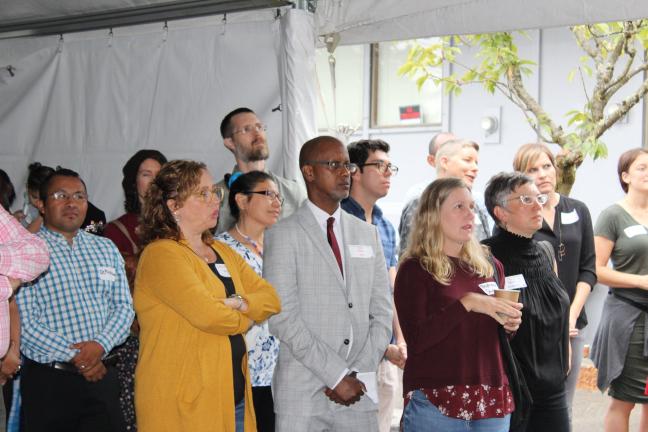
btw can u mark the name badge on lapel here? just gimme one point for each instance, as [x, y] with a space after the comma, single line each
[107, 274]
[361, 251]
[488, 287]
[515, 282]
[222, 270]
[569, 218]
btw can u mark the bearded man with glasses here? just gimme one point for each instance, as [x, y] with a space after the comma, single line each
[245, 136]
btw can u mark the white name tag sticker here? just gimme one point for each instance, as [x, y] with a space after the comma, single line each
[107, 274]
[635, 230]
[361, 251]
[515, 282]
[488, 287]
[222, 270]
[569, 218]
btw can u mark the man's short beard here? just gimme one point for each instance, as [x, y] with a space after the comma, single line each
[258, 154]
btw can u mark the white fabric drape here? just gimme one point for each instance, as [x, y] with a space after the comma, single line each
[90, 101]
[298, 86]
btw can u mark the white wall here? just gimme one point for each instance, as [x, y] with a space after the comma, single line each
[556, 53]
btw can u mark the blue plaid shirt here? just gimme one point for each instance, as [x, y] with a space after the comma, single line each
[385, 228]
[83, 296]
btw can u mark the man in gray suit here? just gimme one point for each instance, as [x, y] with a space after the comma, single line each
[329, 270]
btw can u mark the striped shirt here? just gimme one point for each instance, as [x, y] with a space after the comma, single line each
[83, 296]
[22, 256]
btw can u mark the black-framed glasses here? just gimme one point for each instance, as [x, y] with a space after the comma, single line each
[336, 165]
[257, 127]
[382, 167]
[529, 200]
[64, 196]
[206, 195]
[272, 195]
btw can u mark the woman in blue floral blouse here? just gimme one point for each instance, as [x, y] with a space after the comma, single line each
[255, 205]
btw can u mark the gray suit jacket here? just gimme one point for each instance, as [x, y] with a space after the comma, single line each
[320, 309]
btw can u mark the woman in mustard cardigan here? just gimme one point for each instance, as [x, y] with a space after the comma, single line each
[194, 298]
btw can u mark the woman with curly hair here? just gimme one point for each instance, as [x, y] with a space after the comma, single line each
[195, 298]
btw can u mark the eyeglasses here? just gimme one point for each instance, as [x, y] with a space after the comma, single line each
[382, 167]
[216, 193]
[247, 129]
[336, 165]
[529, 200]
[64, 196]
[272, 195]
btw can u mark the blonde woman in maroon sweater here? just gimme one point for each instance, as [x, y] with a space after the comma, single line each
[454, 373]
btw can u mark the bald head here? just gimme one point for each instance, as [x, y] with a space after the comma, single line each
[312, 149]
[326, 184]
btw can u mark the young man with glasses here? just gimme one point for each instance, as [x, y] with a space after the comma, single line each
[369, 183]
[244, 135]
[71, 318]
[329, 271]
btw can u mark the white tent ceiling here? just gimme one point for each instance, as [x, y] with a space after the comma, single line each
[361, 21]
[356, 21]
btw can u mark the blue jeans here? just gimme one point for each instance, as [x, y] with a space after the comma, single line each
[421, 415]
[239, 415]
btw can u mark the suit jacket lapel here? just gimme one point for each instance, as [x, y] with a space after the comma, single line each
[318, 238]
[349, 238]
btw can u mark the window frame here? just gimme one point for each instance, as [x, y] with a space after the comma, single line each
[374, 52]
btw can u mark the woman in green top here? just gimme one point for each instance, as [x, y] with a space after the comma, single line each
[619, 349]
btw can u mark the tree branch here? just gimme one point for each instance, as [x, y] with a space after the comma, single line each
[583, 42]
[623, 80]
[631, 52]
[628, 29]
[514, 78]
[624, 107]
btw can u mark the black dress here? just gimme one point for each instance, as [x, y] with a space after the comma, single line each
[541, 344]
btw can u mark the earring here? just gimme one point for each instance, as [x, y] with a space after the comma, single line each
[176, 216]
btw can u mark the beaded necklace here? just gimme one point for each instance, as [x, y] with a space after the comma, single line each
[249, 239]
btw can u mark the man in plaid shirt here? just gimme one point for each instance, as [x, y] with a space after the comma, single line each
[23, 257]
[71, 319]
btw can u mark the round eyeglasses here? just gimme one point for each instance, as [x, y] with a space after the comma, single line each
[207, 195]
[247, 129]
[529, 200]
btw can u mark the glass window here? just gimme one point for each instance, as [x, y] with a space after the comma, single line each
[396, 100]
[346, 108]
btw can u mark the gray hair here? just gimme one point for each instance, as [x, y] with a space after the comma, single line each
[500, 186]
[438, 140]
[452, 147]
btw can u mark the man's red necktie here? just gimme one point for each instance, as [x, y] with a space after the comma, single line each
[330, 236]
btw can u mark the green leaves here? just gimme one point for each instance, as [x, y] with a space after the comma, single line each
[497, 66]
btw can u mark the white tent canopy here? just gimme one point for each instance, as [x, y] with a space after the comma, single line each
[363, 21]
[89, 100]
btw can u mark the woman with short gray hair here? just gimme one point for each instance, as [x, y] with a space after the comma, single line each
[541, 344]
